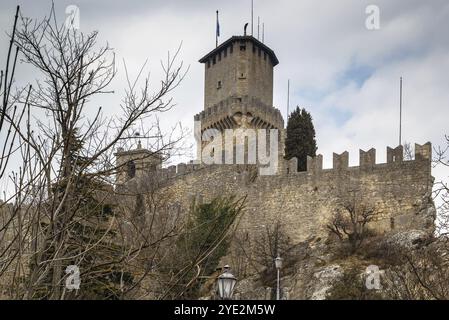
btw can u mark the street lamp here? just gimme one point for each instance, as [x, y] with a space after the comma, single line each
[278, 264]
[226, 283]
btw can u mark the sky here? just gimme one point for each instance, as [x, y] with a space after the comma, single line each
[344, 74]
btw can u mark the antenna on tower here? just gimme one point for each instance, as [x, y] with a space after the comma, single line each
[217, 32]
[258, 26]
[288, 98]
[263, 31]
[400, 111]
[252, 17]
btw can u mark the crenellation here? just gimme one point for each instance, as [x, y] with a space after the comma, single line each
[162, 174]
[340, 161]
[190, 167]
[315, 164]
[367, 158]
[292, 165]
[395, 155]
[423, 152]
[181, 168]
[232, 105]
[171, 170]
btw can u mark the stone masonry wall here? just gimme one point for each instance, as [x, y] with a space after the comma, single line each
[305, 201]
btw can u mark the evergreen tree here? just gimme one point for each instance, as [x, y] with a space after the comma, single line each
[300, 141]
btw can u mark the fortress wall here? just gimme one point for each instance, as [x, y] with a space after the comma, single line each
[305, 201]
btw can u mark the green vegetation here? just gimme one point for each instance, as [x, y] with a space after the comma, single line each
[205, 241]
[300, 141]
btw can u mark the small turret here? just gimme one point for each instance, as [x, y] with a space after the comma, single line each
[136, 162]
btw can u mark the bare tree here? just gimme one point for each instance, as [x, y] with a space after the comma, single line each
[408, 151]
[441, 190]
[61, 209]
[269, 244]
[350, 222]
[6, 81]
[421, 273]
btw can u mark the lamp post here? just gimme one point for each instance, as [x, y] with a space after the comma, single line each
[226, 283]
[278, 264]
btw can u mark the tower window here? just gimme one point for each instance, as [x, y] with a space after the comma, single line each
[219, 56]
[213, 60]
[225, 52]
[242, 45]
[131, 169]
[231, 49]
[219, 85]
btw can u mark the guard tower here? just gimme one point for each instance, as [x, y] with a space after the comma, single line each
[239, 86]
[135, 163]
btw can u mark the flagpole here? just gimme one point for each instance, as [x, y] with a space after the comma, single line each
[216, 32]
[400, 112]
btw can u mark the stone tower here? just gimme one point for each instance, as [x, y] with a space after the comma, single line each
[134, 163]
[238, 94]
[239, 86]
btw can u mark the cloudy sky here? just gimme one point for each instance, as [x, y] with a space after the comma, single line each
[346, 75]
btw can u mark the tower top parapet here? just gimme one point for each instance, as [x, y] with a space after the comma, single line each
[239, 39]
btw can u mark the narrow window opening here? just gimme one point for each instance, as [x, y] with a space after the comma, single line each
[131, 170]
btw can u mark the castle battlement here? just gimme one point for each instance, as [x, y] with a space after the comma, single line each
[367, 159]
[367, 162]
[212, 116]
